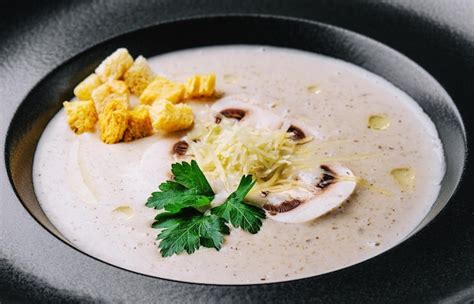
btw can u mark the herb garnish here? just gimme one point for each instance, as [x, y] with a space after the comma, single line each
[189, 188]
[185, 226]
[239, 213]
[189, 229]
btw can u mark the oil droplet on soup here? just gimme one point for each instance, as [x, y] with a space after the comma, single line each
[314, 89]
[379, 122]
[123, 211]
[404, 177]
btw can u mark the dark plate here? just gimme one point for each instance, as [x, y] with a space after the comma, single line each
[436, 264]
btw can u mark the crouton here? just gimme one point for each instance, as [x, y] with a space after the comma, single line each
[113, 122]
[84, 89]
[162, 88]
[81, 115]
[201, 86]
[168, 117]
[117, 98]
[193, 85]
[139, 124]
[114, 66]
[118, 86]
[139, 76]
[101, 95]
[208, 85]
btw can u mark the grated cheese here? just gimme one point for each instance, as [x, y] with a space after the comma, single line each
[228, 150]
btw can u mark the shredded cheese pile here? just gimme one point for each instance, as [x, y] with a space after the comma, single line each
[228, 150]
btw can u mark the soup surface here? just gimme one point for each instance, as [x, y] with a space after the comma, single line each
[95, 193]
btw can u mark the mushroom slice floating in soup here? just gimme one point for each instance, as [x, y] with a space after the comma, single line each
[323, 193]
[241, 108]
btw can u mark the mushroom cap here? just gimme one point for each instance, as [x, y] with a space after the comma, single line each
[331, 192]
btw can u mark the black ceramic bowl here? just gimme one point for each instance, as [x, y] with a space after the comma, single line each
[408, 272]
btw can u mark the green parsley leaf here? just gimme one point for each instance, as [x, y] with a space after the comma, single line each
[184, 227]
[191, 177]
[239, 213]
[189, 188]
[187, 230]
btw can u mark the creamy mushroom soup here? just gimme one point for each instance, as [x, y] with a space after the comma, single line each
[383, 149]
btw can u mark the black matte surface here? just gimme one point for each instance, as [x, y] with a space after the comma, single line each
[435, 265]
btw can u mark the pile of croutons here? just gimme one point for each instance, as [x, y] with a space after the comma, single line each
[105, 97]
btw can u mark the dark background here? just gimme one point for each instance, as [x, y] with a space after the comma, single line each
[37, 36]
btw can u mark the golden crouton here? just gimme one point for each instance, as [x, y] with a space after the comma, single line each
[84, 89]
[117, 98]
[169, 117]
[162, 88]
[81, 115]
[139, 76]
[113, 122]
[114, 66]
[101, 95]
[115, 104]
[119, 86]
[192, 86]
[139, 124]
[201, 86]
[208, 85]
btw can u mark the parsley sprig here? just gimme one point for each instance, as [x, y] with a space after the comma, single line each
[189, 229]
[185, 226]
[189, 188]
[236, 211]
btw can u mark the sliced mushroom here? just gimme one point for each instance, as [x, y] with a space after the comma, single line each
[233, 113]
[302, 133]
[241, 108]
[297, 132]
[330, 191]
[180, 148]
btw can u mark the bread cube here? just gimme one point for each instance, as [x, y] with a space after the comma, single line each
[138, 76]
[119, 86]
[107, 91]
[99, 95]
[114, 66]
[168, 117]
[201, 86]
[81, 115]
[84, 89]
[193, 84]
[115, 98]
[113, 122]
[162, 88]
[139, 124]
[208, 85]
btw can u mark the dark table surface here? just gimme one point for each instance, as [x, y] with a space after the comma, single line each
[445, 28]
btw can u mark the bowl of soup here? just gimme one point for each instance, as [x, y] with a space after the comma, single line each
[275, 151]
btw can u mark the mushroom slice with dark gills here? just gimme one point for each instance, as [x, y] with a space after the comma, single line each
[324, 192]
[243, 109]
[180, 148]
[297, 132]
[301, 133]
